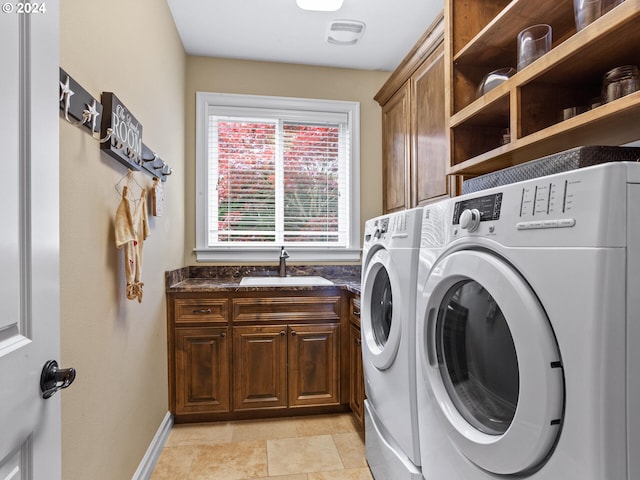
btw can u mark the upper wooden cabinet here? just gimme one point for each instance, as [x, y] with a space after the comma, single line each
[429, 130]
[482, 37]
[396, 140]
[414, 126]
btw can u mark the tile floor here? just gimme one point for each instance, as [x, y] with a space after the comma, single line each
[323, 447]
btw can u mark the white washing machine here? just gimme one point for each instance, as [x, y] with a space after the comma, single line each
[389, 269]
[528, 331]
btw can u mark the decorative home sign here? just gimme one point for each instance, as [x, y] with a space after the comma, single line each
[125, 142]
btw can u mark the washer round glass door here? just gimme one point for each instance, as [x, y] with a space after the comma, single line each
[380, 322]
[477, 357]
[492, 362]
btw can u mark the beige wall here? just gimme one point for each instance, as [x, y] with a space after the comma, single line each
[260, 78]
[118, 346]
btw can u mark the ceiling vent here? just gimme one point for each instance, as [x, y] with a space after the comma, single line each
[345, 32]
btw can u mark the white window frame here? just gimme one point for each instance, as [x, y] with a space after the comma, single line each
[233, 254]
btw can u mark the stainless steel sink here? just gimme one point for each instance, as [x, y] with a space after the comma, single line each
[285, 281]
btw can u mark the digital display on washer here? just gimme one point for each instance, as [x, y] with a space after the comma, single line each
[488, 206]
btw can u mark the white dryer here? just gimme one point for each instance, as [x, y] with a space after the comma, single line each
[528, 326]
[389, 269]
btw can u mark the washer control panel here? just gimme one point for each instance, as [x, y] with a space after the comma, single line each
[537, 203]
[470, 212]
[547, 198]
[583, 207]
[381, 227]
[562, 223]
[394, 230]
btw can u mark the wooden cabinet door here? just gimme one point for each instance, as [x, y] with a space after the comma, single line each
[259, 367]
[395, 151]
[429, 151]
[202, 370]
[314, 365]
[356, 375]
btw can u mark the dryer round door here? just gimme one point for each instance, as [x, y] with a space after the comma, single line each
[492, 361]
[380, 323]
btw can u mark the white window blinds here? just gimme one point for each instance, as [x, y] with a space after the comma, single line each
[278, 177]
[274, 171]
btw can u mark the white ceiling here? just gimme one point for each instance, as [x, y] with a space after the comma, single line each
[279, 31]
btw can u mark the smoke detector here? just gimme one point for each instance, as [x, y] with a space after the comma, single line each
[345, 32]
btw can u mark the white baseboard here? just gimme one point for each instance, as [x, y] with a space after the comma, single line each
[148, 463]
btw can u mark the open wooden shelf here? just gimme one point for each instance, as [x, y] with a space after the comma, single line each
[530, 103]
[612, 124]
[498, 38]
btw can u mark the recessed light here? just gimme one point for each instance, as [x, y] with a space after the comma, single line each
[320, 5]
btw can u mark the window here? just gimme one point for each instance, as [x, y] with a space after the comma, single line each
[276, 171]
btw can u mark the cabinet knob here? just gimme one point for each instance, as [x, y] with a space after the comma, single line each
[223, 334]
[282, 333]
[356, 312]
[293, 333]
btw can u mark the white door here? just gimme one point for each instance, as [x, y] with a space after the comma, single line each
[29, 241]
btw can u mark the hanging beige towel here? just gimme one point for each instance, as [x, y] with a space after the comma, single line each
[132, 228]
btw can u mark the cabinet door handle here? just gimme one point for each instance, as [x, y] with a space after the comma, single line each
[223, 334]
[282, 333]
[293, 333]
[202, 310]
[356, 313]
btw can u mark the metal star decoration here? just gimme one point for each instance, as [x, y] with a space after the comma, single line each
[92, 114]
[65, 94]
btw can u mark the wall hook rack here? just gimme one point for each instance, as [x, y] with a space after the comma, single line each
[153, 164]
[121, 132]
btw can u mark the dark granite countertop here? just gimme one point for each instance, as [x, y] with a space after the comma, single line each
[227, 278]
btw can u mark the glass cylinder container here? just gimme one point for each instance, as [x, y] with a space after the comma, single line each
[620, 81]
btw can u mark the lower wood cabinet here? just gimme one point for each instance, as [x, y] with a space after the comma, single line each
[202, 358]
[314, 364]
[259, 367]
[356, 384]
[286, 366]
[238, 356]
[356, 372]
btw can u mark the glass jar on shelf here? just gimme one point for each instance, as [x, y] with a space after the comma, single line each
[620, 81]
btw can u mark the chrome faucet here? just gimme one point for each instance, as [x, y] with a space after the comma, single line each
[283, 262]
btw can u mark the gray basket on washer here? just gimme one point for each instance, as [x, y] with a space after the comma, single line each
[578, 157]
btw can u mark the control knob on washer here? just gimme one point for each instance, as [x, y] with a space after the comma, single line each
[470, 220]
